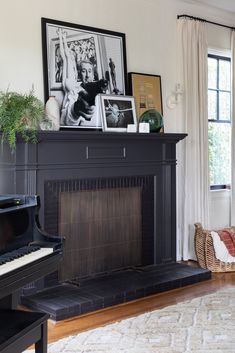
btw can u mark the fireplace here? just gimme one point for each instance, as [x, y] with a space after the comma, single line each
[107, 223]
[113, 197]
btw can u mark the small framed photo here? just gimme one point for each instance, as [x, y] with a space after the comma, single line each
[80, 62]
[147, 90]
[117, 112]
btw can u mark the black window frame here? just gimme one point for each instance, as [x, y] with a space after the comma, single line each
[217, 120]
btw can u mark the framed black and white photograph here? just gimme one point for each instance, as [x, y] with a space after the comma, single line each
[80, 62]
[117, 112]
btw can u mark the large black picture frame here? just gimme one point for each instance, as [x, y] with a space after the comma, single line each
[65, 48]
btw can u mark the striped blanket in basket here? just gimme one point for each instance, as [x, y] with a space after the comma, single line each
[228, 237]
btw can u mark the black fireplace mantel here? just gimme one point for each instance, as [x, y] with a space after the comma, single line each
[73, 155]
[80, 159]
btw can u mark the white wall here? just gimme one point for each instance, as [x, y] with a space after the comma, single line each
[150, 27]
[220, 208]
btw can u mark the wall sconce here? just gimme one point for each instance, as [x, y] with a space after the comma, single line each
[173, 100]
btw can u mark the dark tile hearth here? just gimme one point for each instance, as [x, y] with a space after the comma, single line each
[68, 300]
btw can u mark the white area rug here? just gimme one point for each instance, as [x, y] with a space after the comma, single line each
[205, 324]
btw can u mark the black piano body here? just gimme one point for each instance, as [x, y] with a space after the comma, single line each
[20, 229]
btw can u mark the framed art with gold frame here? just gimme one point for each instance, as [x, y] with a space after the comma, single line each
[147, 90]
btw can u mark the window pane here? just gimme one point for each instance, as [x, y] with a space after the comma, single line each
[224, 75]
[212, 73]
[212, 105]
[219, 153]
[224, 106]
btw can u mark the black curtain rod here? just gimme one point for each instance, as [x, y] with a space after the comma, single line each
[203, 20]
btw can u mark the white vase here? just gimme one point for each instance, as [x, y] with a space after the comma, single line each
[52, 111]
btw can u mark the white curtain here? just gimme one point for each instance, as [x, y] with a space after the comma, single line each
[233, 130]
[194, 174]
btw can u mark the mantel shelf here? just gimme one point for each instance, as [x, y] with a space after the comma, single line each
[99, 135]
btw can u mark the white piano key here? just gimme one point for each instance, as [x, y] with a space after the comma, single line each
[24, 260]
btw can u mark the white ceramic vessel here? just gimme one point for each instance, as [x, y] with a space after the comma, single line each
[52, 110]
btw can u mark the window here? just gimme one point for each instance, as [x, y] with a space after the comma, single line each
[219, 121]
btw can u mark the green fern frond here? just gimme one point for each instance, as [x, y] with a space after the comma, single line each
[20, 114]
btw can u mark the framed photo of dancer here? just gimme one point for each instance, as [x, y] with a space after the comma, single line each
[117, 112]
[147, 90]
[80, 62]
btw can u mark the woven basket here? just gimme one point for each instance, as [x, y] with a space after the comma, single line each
[205, 251]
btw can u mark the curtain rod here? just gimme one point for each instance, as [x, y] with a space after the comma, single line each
[203, 20]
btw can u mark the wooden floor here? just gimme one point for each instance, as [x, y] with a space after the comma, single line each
[119, 312]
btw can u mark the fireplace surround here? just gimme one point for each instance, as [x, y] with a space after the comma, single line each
[96, 166]
[95, 155]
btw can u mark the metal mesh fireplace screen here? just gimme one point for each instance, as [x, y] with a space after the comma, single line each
[108, 224]
[103, 231]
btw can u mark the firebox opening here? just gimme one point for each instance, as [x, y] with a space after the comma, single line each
[103, 231]
[107, 223]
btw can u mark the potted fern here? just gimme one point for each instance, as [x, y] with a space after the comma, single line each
[20, 114]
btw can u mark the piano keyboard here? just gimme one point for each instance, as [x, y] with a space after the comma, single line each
[16, 262]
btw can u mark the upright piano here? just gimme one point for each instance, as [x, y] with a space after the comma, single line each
[27, 253]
